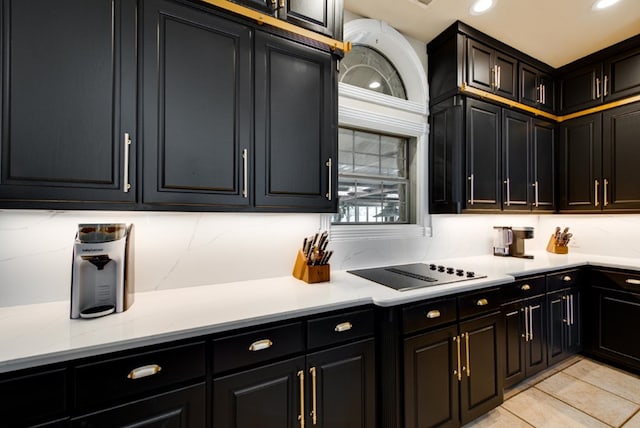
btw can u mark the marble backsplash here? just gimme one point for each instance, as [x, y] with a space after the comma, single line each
[176, 250]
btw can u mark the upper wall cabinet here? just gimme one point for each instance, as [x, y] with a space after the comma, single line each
[536, 88]
[491, 70]
[68, 103]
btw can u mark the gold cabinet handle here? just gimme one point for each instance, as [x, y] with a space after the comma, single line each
[567, 278]
[467, 352]
[482, 302]
[144, 371]
[259, 345]
[343, 326]
[525, 287]
[301, 415]
[459, 371]
[632, 281]
[433, 314]
[314, 413]
[606, 199]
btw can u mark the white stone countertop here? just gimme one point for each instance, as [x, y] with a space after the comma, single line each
[33, 335]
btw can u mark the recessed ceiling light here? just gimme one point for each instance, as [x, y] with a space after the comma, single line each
[603, 4]
[481, 6]
[374, 85]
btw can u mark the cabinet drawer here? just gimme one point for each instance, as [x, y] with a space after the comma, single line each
[479, 302]
[428, 314]
[33, 398]
[617, 280]
[338, 328]
[111, 380]
[524, 288]
[254, 347]
[564, 279]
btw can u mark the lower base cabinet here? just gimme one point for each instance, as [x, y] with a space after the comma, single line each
[564, 326]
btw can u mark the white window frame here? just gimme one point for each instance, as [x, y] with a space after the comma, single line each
[375, 112]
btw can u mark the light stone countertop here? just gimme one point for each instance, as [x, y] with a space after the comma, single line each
[33, 335]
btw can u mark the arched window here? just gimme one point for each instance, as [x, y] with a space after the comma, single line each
[369, 69]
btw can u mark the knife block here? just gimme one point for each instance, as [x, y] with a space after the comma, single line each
[309, 273]
[556, 249]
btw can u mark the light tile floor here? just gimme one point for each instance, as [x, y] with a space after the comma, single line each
[578, 392]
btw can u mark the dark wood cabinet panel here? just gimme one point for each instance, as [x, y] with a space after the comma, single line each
[620, 157]
[580, 163]
[581, 88]
[483, 151]
[431, 382]
[295, 126]
[515, 352]
[69, 99]
[543, 167]
[491, 70]
[516, 152]
[321, 16]
[196, 94]
[622, 75]
[537, 89]
[563, 324]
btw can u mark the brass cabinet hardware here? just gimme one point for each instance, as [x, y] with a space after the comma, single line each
[467, 352]
[606, 184]
[127, 146]
[632, 281]
[567, 278]
[482, 302]
[259, 345]
[245, 172]
[144, 371]
[470, 179]
[301, 383]
[458, 372]
[329, 193]
[433, 314]
[314, 413]
[597, 186]
[526, 324]
[525, 287]
[343, 326]
[281, 3]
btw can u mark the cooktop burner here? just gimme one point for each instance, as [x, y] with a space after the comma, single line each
[415, 275]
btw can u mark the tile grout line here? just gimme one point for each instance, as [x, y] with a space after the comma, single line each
[637, 413]
[575, 408]
[517, 416]
[603, 389]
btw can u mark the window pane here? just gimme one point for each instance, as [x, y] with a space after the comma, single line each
[369, 69]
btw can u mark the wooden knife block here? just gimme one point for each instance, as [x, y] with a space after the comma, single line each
[308, 273]
[556, 249]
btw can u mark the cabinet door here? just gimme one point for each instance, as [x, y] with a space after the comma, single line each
[516, 151]
[181, 408]
[543, 165]
[266, 397]
[68, 99]
[536, 88]
[484, 186]
[573, 316]
[296, 134]
[482, 382]
[536, 341]
[514, 335]
[480, 66]
[622, 76]
[620, 156]
[341, 387]
[507, 70]
[556, 326]
[319, 16]
[580, 163]
[431, 379]
[581, 88]
[197, 107]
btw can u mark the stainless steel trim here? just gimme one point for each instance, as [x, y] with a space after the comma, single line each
[125, 179]
[301, 383]
[568, 302]
[467, 351]
[526, 324]
[606, 199]
[245, 173]
[571, 300]
[433, 314]
[314, 393]
[605, 84]
[632, 281]
[329, 195]
[470, 180]
[259, 345]
[343, 326]
[535, 185]
[508, 183]
[499, 76]
[597, 185]
[531, 309]
[144, 371]
[597, 87]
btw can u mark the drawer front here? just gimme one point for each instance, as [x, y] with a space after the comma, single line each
[428, 315]
[338, 328]
[110, 380]
[479, 302]
[564, 279]
[34, 398]
[524, 288]
[254, 347]
[627, 281]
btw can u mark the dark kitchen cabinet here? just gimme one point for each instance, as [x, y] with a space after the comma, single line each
[516, 160]
[564, 322]
[196, 102]
[581, 88]
[622, 75]
[491, 70]
[598, 157]
[543, 165]
[537, 88]
[615, 301]
[69, 134]
[295, 126]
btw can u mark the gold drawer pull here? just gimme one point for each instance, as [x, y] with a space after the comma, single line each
[344, 326]
[567, 278]
[632, 281]
[482, 302]
[433, 314]
[259, 345]
[525, 287]
[144, 371]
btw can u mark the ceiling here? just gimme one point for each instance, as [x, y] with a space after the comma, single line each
[553, 31]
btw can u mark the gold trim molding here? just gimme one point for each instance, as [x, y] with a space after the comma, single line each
[262, 18]
[514, 104]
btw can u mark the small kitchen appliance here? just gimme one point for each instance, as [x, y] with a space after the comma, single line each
[102, 270]
[502, 240]
[520, 234]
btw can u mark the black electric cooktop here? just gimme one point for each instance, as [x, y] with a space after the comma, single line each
[415, 275]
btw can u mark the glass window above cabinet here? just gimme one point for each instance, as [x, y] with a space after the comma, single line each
[369, 69]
